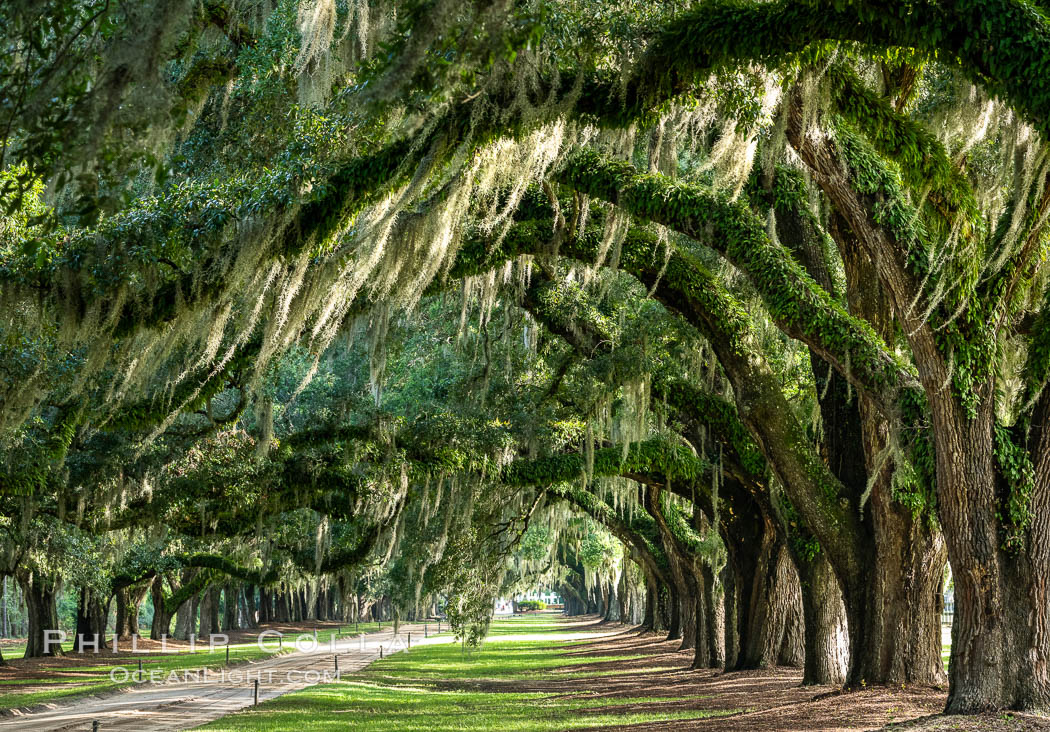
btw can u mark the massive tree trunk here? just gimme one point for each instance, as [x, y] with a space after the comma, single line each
[332, 607]
[574, 602]
[903, 631]
[1001, 629]
[652, 598]
[282, 607]
[344, 605]
[612, 599]
[186, 614]
[684, 574]
[91, 621]
[749, 535]
[320, 606]
[683, 607]
[825, 621]
[186, 618]
[266, 605]
[668, 615]
[161, 617]
[230, 620]
[715, 623]
[1000, 658]
[776, 633]
[792, 651]
[294, 615]
[129, 601]
[251, 608]
[908, 567]
[40, 593]
[702, 644]
[209, 611]
[623, 595]
[895, 594]
[681, 625]
[774, 604]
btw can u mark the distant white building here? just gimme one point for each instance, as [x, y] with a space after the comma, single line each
[549, 597]
[505, 606]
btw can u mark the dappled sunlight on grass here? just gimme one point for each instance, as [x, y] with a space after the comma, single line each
[506, 661]
[358, 705]
[418, 690]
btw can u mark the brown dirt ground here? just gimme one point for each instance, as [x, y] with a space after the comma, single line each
[771, 699]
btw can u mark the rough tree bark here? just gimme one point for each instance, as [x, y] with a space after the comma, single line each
[825, 623]
[715, 617]
[904, 641]
[792, 651]
[683, 574]
[775, 606]
[895, 594]
[230, 619]
[209, 611]
[40, 592]
[129, 601]
[161, 618]
[749, 534]
[623, 594]
[91, 621]
[251, 608]
[186, 618]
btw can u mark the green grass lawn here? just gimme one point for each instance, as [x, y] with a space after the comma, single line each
[79, 680]
[418, 690]
[532, 624]
[72, 681]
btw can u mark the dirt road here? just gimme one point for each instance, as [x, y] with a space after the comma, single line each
[192, 700]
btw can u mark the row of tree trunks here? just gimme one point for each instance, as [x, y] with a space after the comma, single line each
[746, 532]
[92, 613]
[892, 602]
[756, 612]
[209, 612]
[906, 568]
[575, 603]
[250, 608]
[888, 582]
[186, 618]
[222, 608]
[230, 619]
[623, 601]
[129, 603]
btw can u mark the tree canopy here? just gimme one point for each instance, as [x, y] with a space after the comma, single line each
[729, 318]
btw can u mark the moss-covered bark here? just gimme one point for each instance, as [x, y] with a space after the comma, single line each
[799, 306]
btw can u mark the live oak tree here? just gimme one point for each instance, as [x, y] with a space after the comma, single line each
[846, 203]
